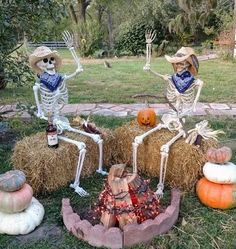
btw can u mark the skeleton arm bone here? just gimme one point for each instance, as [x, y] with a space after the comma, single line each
[150, 37]
[79, 68]
[40, 113]
[164, 77]
[69, 41]
[199, 83]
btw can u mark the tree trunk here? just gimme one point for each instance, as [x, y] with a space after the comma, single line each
[73, 14]
[83, 4]
[99, 15]
[3, 82]
[234, 28]
[110, 30]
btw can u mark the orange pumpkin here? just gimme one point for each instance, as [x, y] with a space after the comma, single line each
[215, 195]
[222, 155]
[147, 117]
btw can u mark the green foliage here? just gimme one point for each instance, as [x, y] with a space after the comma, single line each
[20, 19]
[133, 39]
[16, 69]
[193, 19]
[89, 37]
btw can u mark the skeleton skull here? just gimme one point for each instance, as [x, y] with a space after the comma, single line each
[47, 65]
[182, 66]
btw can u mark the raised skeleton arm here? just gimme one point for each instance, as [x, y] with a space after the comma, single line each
[69, 41]
[150, 37]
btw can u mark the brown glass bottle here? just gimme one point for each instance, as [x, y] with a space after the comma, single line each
[51, 133]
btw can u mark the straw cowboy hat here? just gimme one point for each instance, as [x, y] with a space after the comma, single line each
[41, 53]
[185, 53]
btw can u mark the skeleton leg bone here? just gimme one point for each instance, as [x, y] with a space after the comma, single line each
[62, 124]
[76, 185]
[97, 139]
[164, 159]
[139, 139]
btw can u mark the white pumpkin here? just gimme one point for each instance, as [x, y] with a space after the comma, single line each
[23, 222]
[220, 173]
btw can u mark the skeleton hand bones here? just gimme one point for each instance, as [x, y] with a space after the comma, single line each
[150, 36]
[69, 41]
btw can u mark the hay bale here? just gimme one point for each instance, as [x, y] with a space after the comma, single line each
[48, 169]
[185, 161]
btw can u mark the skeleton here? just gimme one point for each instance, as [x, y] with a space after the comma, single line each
[183, 104]
[53, 101]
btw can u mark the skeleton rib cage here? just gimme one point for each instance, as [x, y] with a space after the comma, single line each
[181, 100]
[52, 102]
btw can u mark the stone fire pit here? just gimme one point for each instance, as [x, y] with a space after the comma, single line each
[114, 237]
[129, 233]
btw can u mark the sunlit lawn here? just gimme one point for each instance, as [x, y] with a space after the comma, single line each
[126, 78]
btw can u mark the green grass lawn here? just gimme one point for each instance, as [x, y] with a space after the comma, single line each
[197, 227]
[126, 78]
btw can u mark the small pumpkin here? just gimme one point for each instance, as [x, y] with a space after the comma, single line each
[13, 202]
[23, 222]
[221, 155]
[12, 180]
[214, 195]
[220, 173]
[147, 117]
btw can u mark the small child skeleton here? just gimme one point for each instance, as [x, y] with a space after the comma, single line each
[54, 95]
[181, 88]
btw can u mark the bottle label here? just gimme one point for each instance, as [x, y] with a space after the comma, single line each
[52, 139]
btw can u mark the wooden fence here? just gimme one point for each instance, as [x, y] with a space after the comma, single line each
[50, 44]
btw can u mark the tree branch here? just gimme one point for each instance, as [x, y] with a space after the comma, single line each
[15, 49]
[73, 14]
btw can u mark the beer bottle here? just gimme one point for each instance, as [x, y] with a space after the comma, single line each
[51, 133]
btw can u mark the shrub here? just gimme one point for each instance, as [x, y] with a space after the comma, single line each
[88, 37]
[133, 40]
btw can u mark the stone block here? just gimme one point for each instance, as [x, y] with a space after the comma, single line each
[69, 109]
[113, 238]
[218, 106]
[95, 235]
[69, 217]
[82, 229]
[106, 105]
[85, 107]
[117, 108]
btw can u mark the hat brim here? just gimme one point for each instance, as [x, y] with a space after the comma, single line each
[176, 59]
[34, 59]
[173, 60]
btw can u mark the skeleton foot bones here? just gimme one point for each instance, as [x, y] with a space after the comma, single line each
[51, 94]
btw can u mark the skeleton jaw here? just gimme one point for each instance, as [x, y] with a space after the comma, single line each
[50, 70]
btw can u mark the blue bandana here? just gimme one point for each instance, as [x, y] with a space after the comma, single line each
[182, 81]
[50, 81]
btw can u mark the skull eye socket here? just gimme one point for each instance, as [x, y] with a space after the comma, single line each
[45, 60]
[52, 59]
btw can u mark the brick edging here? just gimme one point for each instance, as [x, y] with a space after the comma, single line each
[114, 237]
